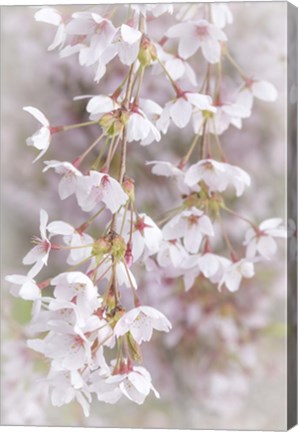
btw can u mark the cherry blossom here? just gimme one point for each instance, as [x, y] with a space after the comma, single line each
[79, 242]
[86, 314]
[218, 122]
[51, 16]
[198, 34]
[100, 187]
[221, 14]
[177, 67]
[171, 253]
[99, 105]
[39, 254]
[262, 241]
[42, 137]
[140, 322]
[25, 286]
[191, 225]
[128, 44]
[262, 90]
[76, 286]
[234, 273]
[68, 347]
[146, 236]
[135, 385]
[140, 128]
[98, 32]
[70, 174]
[155, 9]
[181, 108]
[217, 176]
[66, 386]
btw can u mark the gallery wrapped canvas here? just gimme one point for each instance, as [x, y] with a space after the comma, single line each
[149, 170]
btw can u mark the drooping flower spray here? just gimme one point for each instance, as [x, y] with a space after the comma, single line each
[94, 308]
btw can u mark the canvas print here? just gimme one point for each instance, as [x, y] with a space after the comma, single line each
[144, 210]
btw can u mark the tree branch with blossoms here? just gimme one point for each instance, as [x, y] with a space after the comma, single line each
[87, 314]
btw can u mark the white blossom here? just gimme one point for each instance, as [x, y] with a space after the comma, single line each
[70, 286]
[198, 34]
[140, 128]
[262, 90]
[51, 16]
[128, 44]
[68, 183]
[217, 176]
[24, 286]
[39, 254]
[68, 347]
[221, 14]
[180, 110]
[98, 32]
[140, 322]
[100, 187]
[99, 105]
[42, 137]
[155, 9]
[66, 386]
[234, 273]
[191, 225]
[177, 67]
[171, 254]
[218, 122]
[80, 243]
[262, 242]
[135, 385]
[146, 236]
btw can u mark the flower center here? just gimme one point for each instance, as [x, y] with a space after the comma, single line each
[202, 31]
[140, 225]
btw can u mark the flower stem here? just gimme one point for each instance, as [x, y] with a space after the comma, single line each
[78, 125]
[79, 160]
[98, 160]
[236, 66]
[227, 240]
[136, 99]
[254, 226]
[174, 85]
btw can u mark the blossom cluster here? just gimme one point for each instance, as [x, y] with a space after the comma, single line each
[92, 308]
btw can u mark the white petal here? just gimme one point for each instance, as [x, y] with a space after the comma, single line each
[199, 100]
[129, 34]
[192, 239]
[60, 228]
[208, 264]
[211, 50]
[37, 114]
[180, 30]
[188, 46]
[101, 104]
[43, 223]
[29, 291]
[35, 254]
[115, 196]
[264, 90]
[175, 68]
[48, 15]
[247, 269]
[181, 112]
[232, 280]
[266, 246]
[270, 223]
[59, 38]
